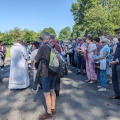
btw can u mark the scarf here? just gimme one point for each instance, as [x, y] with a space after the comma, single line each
[103, 63]
[86, 53]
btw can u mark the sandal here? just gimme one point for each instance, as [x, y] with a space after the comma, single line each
[114, 97]
[118, 103]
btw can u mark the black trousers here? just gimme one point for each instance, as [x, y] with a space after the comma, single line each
[71, 57]
[81, 64]
[116, 79]
[57, 85]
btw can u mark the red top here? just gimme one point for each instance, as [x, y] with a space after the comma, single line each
[57, 46]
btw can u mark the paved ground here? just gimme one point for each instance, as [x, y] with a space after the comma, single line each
[77, 101]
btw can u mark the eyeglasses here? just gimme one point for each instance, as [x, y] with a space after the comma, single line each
[118, 32]
[103, 42]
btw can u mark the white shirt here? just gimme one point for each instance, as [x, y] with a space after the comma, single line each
[33, 54]
[91, 49]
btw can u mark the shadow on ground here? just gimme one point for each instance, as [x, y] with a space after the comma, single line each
[77, 101]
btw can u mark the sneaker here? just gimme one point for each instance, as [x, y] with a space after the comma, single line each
[110, 82]
[102, 89]
[87, 80]
[2, 70]
[99, 86]
[91, 82]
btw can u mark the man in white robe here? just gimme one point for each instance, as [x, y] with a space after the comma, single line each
[19, 78]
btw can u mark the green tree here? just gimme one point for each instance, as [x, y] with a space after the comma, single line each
[1, 34]
[80, 7]
[96, 21]
[76, 31]
[98, 17]
[64, 34]
[7, 39]
[50, 30]
[27, 36]
[15, 33]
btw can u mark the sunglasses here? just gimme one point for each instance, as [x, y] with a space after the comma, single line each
[118, 32]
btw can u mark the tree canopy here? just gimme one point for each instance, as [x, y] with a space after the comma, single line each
[50, 30]
[65, 33]
[98, 17]
[10, 36]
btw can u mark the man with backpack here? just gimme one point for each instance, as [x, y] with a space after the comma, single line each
[57, 47]
[47, 57]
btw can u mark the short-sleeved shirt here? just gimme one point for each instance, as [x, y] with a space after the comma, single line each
[91, 49]
[106, 50]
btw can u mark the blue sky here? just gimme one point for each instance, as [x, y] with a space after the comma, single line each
[35, 14]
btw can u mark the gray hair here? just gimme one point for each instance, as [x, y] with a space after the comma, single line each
[45, 36]
[19, 40]
[52, 36]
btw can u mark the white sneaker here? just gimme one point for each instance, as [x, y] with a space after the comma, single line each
[110, 82]
[91, 82]
[102, 89]
[87, 80]
[99, 86]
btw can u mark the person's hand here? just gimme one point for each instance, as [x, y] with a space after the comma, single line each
[79, 50]
[112, 63]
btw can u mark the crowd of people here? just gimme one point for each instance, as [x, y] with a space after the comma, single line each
[98, 58]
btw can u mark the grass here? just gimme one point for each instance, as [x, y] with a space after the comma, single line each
[8, 52]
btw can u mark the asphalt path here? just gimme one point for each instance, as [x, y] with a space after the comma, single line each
[78, 100]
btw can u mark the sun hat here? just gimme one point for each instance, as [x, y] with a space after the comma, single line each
[105, 40]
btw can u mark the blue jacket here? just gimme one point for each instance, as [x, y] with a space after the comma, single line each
[117, 52]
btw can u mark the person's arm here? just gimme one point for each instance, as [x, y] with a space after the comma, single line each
[25, 53]
[114, 62]
[32, 60]
[114, 49]
[104, 56]
[79, 50]
[95, 52]
[39, 54]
